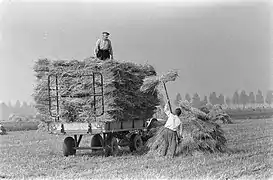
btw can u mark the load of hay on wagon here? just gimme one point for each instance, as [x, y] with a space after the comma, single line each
[123, 99]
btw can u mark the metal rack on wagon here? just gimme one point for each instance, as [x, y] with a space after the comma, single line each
[105, 135]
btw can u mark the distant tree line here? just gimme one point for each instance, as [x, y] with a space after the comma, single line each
[240, 99]
[19, 109]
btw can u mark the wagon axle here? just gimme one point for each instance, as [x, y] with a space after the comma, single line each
[107, 142]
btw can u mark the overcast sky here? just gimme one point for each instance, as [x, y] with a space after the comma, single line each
[221, 47]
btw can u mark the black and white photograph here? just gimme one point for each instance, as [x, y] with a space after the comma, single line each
[136, 89]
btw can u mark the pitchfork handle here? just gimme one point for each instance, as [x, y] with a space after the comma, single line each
[167, 96]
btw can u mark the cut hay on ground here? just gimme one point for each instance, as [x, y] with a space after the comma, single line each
[123, 99]
[204, 113]
[186, 106]
[197, 135]
[216, 113]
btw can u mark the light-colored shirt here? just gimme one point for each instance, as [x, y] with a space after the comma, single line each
[103, 45]
[173, 121]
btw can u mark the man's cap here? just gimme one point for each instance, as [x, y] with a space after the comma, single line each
[107, 33]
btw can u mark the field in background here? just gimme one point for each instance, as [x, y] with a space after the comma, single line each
[32, 154]
[25, 123]
[20, 126]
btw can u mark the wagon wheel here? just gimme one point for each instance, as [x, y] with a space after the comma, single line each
[111, 147]
[136, 143]
[96, 141]
[69, 146]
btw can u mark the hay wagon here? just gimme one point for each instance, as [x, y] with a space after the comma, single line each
[104, 135]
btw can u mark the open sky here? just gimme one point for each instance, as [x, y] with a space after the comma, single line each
[219, 46]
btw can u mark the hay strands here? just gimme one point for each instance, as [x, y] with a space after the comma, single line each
[151, 83]
[122, 81]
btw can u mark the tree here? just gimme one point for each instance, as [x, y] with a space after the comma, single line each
[4, 111]
[269, 97]
[9, 104]
[251, 98]
[204, 102]
[17, 104]
[205, 99]
[221, 99]
[188, 97]
[228, 101]
[243, 98]
[213, 99]
[259, 97]
[247, 99]
[24, 105]
[177, 100]
[11, 107]
[196, 100]
[210, 98]
[235, 98]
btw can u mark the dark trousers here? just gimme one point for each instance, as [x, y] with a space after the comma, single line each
[103, 54]
[170, 142]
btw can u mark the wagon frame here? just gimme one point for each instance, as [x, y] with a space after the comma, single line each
[105, 135]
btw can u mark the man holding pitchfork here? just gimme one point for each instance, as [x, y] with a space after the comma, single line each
[170, 131]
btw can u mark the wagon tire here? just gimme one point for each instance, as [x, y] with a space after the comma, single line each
[96, 141]
[111, 147]
[136, 143]
[69, 146]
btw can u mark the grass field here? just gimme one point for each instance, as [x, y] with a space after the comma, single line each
[20, 126]
[38, 155]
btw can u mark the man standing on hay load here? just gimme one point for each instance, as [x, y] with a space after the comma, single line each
[103, 49]
[170, 131]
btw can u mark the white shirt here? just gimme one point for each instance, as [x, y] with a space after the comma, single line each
[103, 45]
[173, 121]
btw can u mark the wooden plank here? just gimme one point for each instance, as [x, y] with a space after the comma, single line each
[98, 127]
[83, 132]
[87, 148]
[118, 125]
[128, 129]
[73, 126]
[78, 126]
[127, 124]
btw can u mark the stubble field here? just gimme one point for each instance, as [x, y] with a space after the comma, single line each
[38, 155]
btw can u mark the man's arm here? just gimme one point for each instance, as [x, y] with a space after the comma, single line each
[179, 133]
[111, 50]
[167, 110]
[96, 49]
[179, 130]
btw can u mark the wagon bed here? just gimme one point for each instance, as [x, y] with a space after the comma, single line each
[98, 127]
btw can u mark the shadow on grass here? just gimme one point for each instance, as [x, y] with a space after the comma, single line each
[145, 151]
[4, 176]
[20, 126]
[236, 151]
[123, 152]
